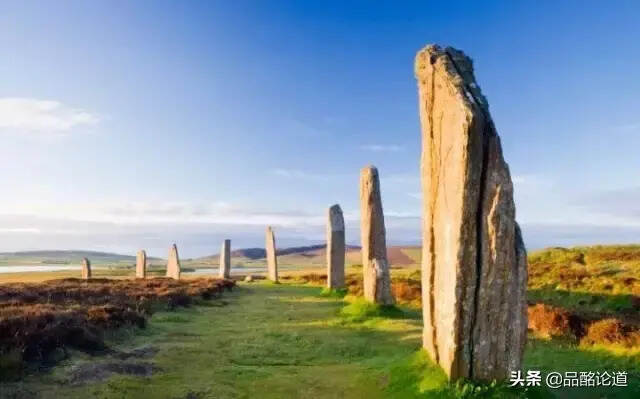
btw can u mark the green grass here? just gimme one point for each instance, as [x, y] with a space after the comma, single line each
[602, 279]
[359, 310]
[582, 302]
[272, 341]
[334, 293]
[288, 341]
[557, 356]
[275, 340]
[171, 318]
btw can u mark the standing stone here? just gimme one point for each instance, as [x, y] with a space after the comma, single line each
[173, 263]
[86, 269]
[225, 259]
[375, 266]
[272, 260]
[141, 264]
[335, 248]
[474, 263]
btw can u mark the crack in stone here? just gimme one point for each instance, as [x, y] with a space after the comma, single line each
[476, 333]
[430, 105]
[479, 251]
[486, 133]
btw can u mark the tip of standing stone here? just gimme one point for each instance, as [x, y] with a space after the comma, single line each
[456, 65]
[426, 56]
[429, 54]
[370, 169]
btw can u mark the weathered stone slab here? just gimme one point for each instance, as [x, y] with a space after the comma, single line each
[141, 264]
[474, 266]
[225, 259]
[335, 247]
[86, 269]
[173, 263]
[375, 266]
[272, 260]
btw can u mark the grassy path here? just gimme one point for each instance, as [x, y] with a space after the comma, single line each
[269, 341]
[288, 341]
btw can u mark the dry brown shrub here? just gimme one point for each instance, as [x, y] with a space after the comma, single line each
[612, 331]
[406, 291]
[573, 274]
[550, 321]
[315, 278]
[354, 284]
[37, 318]
[312, 278]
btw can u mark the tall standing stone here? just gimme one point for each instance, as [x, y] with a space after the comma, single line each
[86, 269]
[272, 260]
[335, 247]
[375, 266]
[173, 263]
[474, 264]
[225, 259]
[141, 264]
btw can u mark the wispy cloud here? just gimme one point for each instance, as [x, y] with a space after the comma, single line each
[29, 115]
[290, 173]
[382, 147]
[299, 128]
[629, 126]
[301, 174]
[621, 205]
[22, 230]
[161, 212]
[407, 181]
[531, 181]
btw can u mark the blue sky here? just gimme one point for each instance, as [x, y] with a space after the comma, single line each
[131, 125]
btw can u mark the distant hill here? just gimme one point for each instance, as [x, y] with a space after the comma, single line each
[305, 256]
[249, 253]
[63, 257]
[314, 255]
[259, 253]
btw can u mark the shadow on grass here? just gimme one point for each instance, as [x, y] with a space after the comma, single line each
[561, 356]
[277, 341]
[410, 373]
[337, 293]
[372, 335]
[358, 309]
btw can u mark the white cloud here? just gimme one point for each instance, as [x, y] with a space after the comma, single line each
[300, 174]
[23, 230]
[620, 206]
[629, 127]
[298, 128]
[531, 181]
[160, 212]
[290, 173]
[401, 215]
[382, 147]
[401, 179]
[30, 115]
